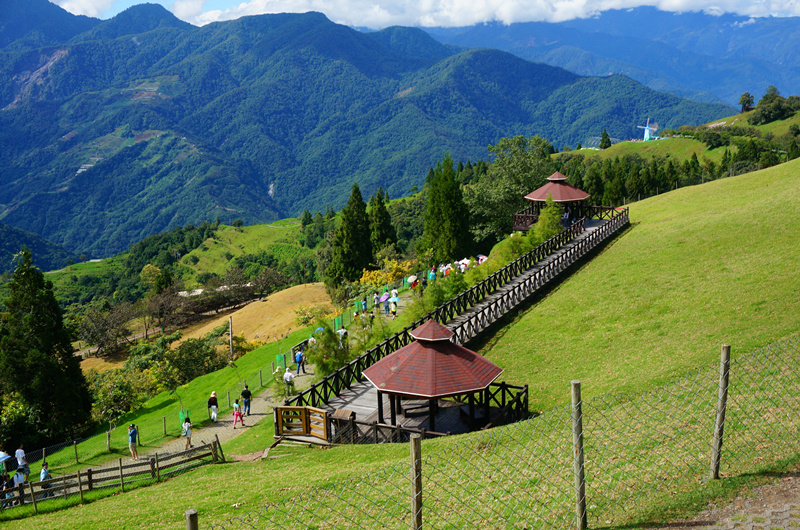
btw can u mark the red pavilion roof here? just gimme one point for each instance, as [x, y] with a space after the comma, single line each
[432, 367]
[558, 188]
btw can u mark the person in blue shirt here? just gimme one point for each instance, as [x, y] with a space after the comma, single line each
[133, 438]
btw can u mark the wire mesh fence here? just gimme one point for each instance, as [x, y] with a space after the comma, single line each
[639, 450]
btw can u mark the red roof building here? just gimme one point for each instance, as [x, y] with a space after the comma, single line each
[432, 367]
[558, 188]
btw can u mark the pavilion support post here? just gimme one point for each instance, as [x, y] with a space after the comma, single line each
[487, 409]
[380, 407]
[432, 414]
[392, 409]
[471, 410]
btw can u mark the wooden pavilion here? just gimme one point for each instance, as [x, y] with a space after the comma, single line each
[570, 197]
[430, 368]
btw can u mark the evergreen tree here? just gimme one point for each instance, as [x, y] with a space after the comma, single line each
[306, 219]
[352, 250]
[446, 231]
[605, 140]
[793, 151]
[381, 232]
[39, 375]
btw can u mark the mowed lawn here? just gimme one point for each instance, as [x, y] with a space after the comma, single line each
[699, 267]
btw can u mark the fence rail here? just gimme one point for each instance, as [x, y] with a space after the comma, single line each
[125, 473]
[320, 393]
[511, 401]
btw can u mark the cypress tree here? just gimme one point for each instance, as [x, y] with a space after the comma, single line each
[381, 232]
[352, 250]
[446, 230]
[605, 140]
[36, 362]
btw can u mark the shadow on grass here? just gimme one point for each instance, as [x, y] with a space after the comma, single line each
[678, 509]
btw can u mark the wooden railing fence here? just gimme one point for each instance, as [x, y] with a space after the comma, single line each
[511, 400]
[125, 473]
[333, 385]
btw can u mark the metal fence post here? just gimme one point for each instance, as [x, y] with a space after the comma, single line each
[722, 401]
[191, 519]
[577, 454]
[416, 480]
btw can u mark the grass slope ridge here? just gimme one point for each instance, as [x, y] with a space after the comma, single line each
[700, 266]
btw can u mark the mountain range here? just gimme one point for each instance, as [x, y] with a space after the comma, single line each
[113, 130]
[701, 56]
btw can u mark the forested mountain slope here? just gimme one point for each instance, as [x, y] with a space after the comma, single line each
[142, 123]
[702, 56]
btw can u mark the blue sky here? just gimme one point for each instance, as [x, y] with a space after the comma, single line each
[382, 13]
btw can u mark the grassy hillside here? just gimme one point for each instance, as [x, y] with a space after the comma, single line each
[699, 267]
[280, 238]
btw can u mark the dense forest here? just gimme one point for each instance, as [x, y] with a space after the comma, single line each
[115, 130]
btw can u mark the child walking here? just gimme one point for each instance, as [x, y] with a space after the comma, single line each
[237, 413]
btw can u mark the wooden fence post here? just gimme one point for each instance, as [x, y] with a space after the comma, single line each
[229, 398]
[158, 470]
[121, 477]
[33, 500]
[64, 485]
[260, 379]
[219, 446]
[80, 485]
[152, 462]
[108, 441]
[577, 448]
[416, 481]
[722, 401]
[192, 519]
[89, 484]
[75, 446]
[164, 421]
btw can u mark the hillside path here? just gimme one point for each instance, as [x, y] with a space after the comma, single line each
[771, 506]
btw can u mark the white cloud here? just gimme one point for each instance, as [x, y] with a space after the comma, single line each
[188, 9]
[90, 8]
[383, 13]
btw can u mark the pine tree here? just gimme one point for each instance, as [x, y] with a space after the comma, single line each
[605, 140]
[382, 233]
[306, 219]
[36, 362]
[446, 230]
[352, 250]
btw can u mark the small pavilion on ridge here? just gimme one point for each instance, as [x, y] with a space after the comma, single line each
[570, 197]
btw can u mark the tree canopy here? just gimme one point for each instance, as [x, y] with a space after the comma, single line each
[43, 391]
[352, 250]
[446, 233]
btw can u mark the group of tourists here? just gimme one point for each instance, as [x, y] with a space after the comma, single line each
[240, 410]
[10, 483]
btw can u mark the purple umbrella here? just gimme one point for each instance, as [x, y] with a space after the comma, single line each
[384, 297]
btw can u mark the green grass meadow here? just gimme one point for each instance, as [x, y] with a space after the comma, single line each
[698, 267]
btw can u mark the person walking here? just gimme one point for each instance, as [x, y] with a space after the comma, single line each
[237, 413]
[187, 432]
[300, 360]
[22, 462]
[246, 395]
[44, 474]
[133, 439]
[393, 309]
[288, 378]
[213, 406]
